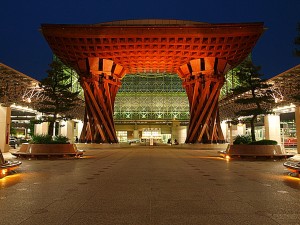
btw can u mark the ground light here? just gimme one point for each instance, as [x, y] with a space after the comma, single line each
[7, 167]
[293, 167]
[227, 157]
[4, 172]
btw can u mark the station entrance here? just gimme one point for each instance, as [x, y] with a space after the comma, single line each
[199, 53]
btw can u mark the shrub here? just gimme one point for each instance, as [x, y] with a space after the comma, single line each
[41, 139]
[264, 142]
[60, 139]
[47, 139]
[242, 139]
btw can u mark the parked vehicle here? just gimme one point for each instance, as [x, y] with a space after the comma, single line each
[13, 142]
[290, 142]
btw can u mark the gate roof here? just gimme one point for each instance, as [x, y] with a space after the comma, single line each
[156, 46]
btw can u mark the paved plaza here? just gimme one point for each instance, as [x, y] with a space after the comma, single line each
[149, 185]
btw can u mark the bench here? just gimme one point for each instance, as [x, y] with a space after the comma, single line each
[7, 166]
[292, 166]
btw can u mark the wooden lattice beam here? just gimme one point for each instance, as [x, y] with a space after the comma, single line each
[160, 46]
[203, 79]
[100, 80]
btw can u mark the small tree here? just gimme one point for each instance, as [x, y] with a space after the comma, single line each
[255, 94]
[58, 96]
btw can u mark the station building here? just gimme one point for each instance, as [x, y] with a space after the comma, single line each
[136, 117]
[155, 72]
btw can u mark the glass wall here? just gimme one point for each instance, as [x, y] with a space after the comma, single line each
[151, 97]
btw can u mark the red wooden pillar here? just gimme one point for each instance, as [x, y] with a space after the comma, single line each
[100, 80]
[203, 79]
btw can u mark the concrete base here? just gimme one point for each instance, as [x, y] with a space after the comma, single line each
[255, 150]
[47, 150]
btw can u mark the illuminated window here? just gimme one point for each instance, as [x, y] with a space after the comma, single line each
[122, 136]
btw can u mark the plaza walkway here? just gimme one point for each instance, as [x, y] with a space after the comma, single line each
[149, 185]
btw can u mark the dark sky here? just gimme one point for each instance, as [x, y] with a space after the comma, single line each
[23, 48]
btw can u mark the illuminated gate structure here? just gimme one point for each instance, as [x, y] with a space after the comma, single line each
[200, 53]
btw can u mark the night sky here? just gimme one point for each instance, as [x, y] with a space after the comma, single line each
[23, 47]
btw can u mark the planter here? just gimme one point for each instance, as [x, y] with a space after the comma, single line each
[47, 150]
[254, 151]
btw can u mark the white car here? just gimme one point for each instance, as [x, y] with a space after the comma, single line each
[13, 143]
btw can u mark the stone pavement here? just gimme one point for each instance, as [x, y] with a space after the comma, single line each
[149, 185]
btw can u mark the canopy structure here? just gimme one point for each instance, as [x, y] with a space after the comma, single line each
[200, 53]
[285, 87]
[17, 87]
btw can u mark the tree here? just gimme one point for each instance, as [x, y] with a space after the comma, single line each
[296, 97]
[297, 42]
[254, 93]
[59, 99]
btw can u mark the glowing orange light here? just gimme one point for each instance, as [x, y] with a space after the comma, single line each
[291, 178]
[227, 157]
[4, 171]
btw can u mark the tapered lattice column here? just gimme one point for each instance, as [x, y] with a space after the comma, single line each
[100, 80]
[203, 79]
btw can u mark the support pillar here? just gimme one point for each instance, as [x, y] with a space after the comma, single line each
[182, 134]
[67, 129]
[175, 131]
[41, 128]
[203, 79]
[225, 127]
[241, 129]
[79, 126]
[136, 134]
[297, 118]
[178, 132]
[231, 134]
[5, 119]
[272, 128]
[100, 80]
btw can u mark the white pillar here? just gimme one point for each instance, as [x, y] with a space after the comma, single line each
[67, 129]
[230, 133]
[241, 129]
[272, 128]
[178, 132]
[5, 118]
[182, 134]
[297, 118]
[136, 134]
[79, 126]
[41, 128]
[224, 128]
[175, 131]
